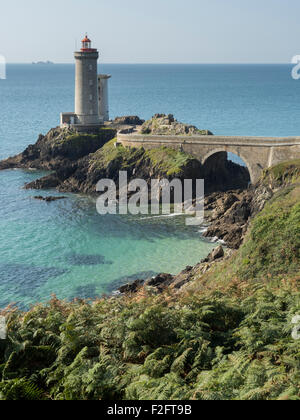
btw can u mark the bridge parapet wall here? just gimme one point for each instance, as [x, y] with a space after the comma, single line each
[258, 153]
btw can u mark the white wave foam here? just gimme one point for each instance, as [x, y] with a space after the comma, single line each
[162, 216]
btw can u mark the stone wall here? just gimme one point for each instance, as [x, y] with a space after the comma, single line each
[258, 153]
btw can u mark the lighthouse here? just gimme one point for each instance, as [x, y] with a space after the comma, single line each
[86, 84]
[91, 91]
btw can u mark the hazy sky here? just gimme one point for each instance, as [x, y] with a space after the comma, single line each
[152, 31]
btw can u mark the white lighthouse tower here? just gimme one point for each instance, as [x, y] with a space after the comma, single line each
[86, 84]
[91, 101]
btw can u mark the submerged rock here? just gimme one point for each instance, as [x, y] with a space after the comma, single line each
[80, 259]
[48, 199]
[24, 279]
[87, 291]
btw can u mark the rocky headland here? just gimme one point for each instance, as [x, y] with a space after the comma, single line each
[77, 161]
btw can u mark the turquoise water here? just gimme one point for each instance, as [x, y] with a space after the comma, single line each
[65, 247]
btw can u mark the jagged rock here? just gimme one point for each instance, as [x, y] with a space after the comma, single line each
[131, 287]
[128, 120]
[261, 195]
[162, 124]
[230, 213]
[154, 285]
[182, 278]
[160, 280]
[216, 254]
[47, 182]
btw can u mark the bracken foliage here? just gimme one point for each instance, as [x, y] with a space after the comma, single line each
[208, 347]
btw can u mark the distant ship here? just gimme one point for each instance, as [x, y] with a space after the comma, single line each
[42, 62]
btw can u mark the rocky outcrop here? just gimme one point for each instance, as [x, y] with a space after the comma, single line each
[128, 120]
[229, 213]
[48, 199]
[162, 124]
[60, 150]
[161, 282]
[215, 255]
[131, 287]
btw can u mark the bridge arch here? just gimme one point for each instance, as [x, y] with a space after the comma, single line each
[235, 152]
[258, 153]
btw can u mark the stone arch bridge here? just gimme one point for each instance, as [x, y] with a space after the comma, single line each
[258, 153]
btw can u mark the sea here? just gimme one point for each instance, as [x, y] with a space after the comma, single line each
[65, 248]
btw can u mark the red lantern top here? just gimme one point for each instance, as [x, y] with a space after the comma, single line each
[86, 39]
[87, 45]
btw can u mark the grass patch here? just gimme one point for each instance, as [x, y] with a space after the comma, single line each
[169, 160]
[118, 156]
[77, 145]
[163, 160]
[284, 173]
[273, 245]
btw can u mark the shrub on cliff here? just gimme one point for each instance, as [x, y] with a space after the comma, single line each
[273, 246]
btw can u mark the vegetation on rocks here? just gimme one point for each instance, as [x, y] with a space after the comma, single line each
[162, 124]
[60, 148]
[78, 145]
[171, 161]
[283, 174]
[162, 161]
[273, 246]
[226, 335]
